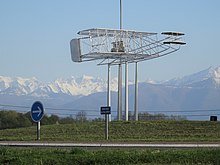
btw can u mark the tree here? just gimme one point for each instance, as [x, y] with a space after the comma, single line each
[54, 119]
[67, 120]
[81, 116]
[13, 119]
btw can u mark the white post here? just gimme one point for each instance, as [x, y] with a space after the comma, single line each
[120, 75]
[109, 91]
[120, 14]
[38, 130]
[136, 92]
[126, 91]
[119, 91]
[106, 126]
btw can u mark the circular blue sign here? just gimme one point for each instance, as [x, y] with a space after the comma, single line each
[37, 111]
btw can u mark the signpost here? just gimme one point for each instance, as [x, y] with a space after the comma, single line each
[106, 111]
[37, 113]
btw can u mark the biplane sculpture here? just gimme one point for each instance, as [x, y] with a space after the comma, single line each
[120, 46]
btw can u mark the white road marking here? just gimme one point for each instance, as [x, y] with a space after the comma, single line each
[109, 145]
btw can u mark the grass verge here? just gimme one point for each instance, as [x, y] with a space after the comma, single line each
[135, 132]
[80, 156]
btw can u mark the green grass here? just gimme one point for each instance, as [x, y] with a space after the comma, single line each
[142, 131]
[136, 132]
[78, 156]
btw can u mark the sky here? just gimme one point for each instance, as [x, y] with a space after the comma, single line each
[35, 35]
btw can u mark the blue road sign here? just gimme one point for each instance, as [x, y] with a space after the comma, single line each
[105, 110]
[37, 111]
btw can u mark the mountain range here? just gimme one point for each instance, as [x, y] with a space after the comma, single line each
[196, 95]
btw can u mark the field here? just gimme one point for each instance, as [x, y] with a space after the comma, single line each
[80, 156]
[135, 132]
[119, 132]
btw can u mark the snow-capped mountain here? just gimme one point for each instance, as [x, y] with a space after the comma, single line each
[208, 78]
[193, 92]
[18, 86]
[84, 85]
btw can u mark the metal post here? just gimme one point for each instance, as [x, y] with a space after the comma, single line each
[126, 91]
[109, 91]
[120, 75]
[136, 92]
[119, 91]
[106, 126]
[38, 130]
[120, 14]
[107, 117]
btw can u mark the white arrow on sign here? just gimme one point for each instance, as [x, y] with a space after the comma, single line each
[39, 111]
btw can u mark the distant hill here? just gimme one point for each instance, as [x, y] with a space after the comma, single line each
[199, 91]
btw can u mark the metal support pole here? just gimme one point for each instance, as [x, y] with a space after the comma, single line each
[126, 91]
[106, 126]
[109, 91]
[136, 92]
[38, 130]
[120, 75]
[119, 91]
[120, 14]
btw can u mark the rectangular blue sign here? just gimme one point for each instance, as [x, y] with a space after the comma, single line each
[105, 110]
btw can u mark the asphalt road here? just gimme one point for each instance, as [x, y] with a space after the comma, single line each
[107, 145]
